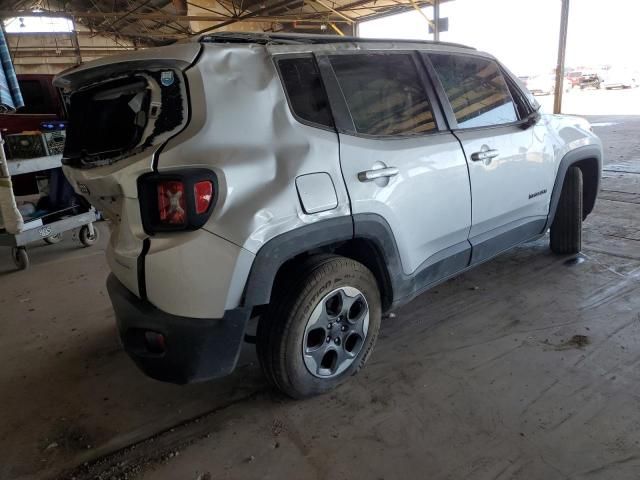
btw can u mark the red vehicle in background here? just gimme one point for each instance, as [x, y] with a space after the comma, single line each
[42, 104]
[573, 79]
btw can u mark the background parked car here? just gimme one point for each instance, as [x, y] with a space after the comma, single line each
[573, 78]
[590, 79]
[621, 78]
[42, 103]
[544, 84]
[541, 84]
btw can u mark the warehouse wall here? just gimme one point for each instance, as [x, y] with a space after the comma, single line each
[51, 53]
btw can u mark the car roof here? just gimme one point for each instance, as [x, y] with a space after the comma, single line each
[307, 39]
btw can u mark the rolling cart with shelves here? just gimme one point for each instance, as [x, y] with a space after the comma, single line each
[51, 226]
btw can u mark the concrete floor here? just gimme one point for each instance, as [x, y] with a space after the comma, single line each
[527, 368]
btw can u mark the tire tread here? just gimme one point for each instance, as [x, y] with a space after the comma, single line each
[275, 328]
[566, 229]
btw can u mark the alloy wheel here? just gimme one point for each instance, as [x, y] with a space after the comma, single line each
[335, 332]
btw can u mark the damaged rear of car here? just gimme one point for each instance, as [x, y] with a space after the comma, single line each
[190, 151]
[122, 113]
[119, 110]
[136, 110]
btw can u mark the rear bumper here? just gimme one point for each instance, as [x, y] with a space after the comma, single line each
[195, 349]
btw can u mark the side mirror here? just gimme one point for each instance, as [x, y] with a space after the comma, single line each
[531, 120]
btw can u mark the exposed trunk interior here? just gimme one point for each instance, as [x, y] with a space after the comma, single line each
[107, 120]
[116, 118]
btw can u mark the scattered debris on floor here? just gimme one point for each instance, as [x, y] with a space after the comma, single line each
[577, 341]
[574, 261]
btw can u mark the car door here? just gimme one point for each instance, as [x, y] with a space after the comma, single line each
[510, 162]
[398, 160]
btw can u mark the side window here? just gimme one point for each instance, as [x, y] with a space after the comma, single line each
[477, 90]
[304, 88]
[384, 93]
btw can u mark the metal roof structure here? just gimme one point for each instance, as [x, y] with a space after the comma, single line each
[143, 23]
[157, 22]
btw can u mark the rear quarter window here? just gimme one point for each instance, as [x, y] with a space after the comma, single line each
[305, 91]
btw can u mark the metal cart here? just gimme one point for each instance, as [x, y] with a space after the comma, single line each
[51, 226]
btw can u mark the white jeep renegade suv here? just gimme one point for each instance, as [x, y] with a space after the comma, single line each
[315, 182]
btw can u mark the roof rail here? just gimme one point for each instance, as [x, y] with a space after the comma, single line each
[302, 39]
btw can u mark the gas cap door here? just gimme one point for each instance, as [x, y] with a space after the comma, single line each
[316, 192]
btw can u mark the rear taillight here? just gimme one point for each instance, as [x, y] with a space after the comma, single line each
[181, 200]
[203, 192]
[172, 202]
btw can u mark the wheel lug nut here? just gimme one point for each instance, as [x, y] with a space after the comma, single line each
[336, 340]
[328, 339]
[330, 326]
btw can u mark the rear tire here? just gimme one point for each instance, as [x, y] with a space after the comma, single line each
[566, 229]
[313, 335]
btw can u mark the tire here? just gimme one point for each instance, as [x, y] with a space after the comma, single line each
[53, 239]
[292, 345]
[86, 238]
[566, 229]
[20, 258]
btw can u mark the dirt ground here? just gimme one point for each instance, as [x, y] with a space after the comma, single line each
[525, 368]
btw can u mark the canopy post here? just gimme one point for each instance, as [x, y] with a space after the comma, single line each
[436, 20]
[562, 49]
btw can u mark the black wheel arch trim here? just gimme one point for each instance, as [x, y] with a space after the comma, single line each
[274, 253]
[576, 157]
[371, 228]
[397, 287]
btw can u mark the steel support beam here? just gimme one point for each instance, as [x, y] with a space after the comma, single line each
[562, 49]
[76, 46]
[253, 15]
[176, 18]
[436, 20]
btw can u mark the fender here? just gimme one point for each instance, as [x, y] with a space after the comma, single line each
[580, 154]
[274, 253]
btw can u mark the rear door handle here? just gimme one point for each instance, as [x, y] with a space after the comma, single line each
[370, 175]
[484, 155]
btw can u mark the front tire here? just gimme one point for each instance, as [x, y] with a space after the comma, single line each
[566, 229]
[321, 326]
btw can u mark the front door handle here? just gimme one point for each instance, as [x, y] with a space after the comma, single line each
[484, 155]
[370, 175]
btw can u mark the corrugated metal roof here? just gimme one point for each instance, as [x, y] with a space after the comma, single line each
[154, 22]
